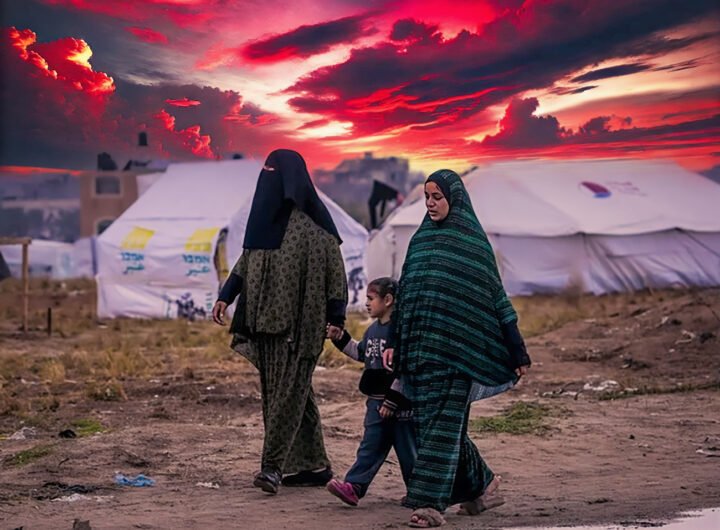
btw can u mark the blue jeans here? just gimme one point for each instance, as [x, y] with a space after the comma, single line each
[380, 435]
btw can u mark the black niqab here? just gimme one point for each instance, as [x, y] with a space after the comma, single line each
[283, 184]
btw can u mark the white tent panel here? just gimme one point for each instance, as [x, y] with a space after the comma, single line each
[48, 259]
[532, 265]
[671, 258]
[84, 258]
[162, 248]
[138, 300]
[603, 226]
[146, 180]
[611, 197]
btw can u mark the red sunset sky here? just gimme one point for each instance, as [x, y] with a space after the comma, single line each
[446, 84]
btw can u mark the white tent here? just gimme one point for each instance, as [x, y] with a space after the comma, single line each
[601, 225]
[157, 259]
[84, 260]
[48, 259]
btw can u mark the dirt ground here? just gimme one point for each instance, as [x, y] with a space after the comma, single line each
[631, 436]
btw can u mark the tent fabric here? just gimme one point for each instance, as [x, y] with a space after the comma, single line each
[47, 259]
[603, 226]
[157, 259]
[84, 258]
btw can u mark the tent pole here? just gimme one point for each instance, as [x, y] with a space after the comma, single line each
[26, 285]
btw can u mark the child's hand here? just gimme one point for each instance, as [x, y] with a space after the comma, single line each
[386, 412]
[387, 357]
[333, 332]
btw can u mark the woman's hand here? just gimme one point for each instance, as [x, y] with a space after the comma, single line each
[218, 312]
[387, 356]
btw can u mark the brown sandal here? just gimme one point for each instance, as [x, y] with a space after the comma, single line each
[490, 499]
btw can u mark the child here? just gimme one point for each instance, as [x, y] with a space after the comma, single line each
[382, 430]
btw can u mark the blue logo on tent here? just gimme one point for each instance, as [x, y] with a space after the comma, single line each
[598, 191]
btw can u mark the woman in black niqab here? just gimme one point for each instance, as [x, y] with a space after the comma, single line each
[291, 285]
[284, 184]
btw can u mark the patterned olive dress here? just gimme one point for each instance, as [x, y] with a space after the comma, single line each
[288, 296]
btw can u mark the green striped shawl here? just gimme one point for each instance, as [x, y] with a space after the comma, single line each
[452, 301]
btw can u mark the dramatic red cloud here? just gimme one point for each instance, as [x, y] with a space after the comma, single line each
[456, 15]
[198, 144]
[58, 118]
[184, 13]
[522, 133]
[307, 40]
[148, 35]
[520, 128]
[113, 8]
[432, 80]
[184, 102]
[65, 60]
[299, 43]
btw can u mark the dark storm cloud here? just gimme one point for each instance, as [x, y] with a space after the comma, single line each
[611, 71]
[309, 40]
[418, 82]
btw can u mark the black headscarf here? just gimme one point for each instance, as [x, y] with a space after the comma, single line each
[283, 183]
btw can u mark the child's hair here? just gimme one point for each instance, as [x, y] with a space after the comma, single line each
[384, 286]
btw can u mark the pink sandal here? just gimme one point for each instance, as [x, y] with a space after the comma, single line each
[343, 491]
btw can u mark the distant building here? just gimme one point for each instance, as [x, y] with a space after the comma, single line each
[106, 193]
[65, 204]
[351, 182]
[392, 171]
[39, 203]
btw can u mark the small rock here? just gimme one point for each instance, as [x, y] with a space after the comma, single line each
[67, 433]
[72, 498]
[632, 436]
[81, 525]
[706, 336]
[24, 434]
[601, 500]
[211, 485]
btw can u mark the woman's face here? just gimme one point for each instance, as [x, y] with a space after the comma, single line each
[437, 205]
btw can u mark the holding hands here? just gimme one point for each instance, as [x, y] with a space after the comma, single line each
[333, 332]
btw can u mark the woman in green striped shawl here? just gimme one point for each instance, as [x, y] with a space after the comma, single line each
[456, 341]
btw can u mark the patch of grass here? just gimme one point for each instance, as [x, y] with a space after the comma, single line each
[52, 371]
[518, 418]
[30, 455]
[87, 427]
[106, 391]
[542, 313]
[656, 390]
